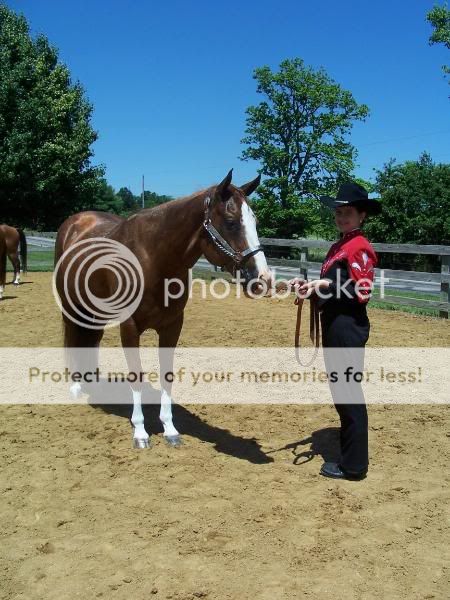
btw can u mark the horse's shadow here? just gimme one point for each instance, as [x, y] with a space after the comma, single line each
[324, 443]
[119, 402]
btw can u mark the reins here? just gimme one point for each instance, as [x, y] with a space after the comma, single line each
[314, 324]
[314, 328]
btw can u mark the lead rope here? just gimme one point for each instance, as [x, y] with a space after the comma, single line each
[314, 329]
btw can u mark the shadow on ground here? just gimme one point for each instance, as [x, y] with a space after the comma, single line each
[323, 442]
[110, 398]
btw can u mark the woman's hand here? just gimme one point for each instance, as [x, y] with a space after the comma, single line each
[296, 283]
[309, 287]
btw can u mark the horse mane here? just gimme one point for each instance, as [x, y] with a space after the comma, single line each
[198, 193]
[175, 203]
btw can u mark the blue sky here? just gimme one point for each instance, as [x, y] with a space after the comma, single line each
[170, 81]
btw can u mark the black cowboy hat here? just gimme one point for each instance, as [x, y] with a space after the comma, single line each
[353, 194]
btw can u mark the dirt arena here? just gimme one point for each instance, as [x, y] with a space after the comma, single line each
[239, 511]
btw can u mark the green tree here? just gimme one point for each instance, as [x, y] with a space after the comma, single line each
[299, 133]
[416, 203]
[106, 199]
[439, 18]
[129, 200]
[45, 132]
[152, 199]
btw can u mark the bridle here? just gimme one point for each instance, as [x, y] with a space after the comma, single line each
[239, 257]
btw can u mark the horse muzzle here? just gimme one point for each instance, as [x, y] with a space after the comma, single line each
[256, 285]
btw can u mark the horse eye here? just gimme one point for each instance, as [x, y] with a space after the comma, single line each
[232, 225]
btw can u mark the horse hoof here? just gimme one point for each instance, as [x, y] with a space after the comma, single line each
[174, 440]
[75, 391]
[16, 283]
[140, 443]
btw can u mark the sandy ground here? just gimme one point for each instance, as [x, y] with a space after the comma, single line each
[239, 511]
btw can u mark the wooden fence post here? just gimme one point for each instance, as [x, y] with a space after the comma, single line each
[445, 288]
[303, 259]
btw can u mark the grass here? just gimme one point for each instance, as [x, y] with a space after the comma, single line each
[42, 260]
[411, 294]
[415, 310]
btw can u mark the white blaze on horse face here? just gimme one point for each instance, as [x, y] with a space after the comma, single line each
[251, 235]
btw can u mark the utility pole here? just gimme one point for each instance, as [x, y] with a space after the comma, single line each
[143, 194]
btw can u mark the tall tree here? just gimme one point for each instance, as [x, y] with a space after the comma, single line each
[299, 133]
[153, 199]
[107, 200]
[416, 203]
[129, 200]
[45, 131]
[439, 18]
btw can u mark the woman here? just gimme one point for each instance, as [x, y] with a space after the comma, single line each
[343, 292]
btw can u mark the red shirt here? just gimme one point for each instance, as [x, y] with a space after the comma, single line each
[354, 249]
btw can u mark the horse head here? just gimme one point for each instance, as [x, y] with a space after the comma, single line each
[231, 239]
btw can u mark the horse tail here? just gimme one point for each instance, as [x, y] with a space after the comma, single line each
[23, 250]
[81, 346]
[3, 254]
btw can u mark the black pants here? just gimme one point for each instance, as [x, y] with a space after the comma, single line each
[344, 337]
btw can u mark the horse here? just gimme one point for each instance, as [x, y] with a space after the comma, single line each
[3, 252]
[13, 237]
[167, 241]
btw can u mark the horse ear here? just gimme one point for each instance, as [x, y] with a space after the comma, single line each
[222, 188]
[250, 187]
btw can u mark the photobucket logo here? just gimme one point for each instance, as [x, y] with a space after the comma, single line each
[220, 288]
[90, 269]
[279, 288]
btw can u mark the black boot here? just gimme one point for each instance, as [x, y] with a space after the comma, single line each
[335, 471]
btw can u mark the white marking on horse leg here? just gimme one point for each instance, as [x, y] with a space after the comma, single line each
[75, 390]
[1, 291]
[137, 418]
[251, 235]
[17, 279]
[165, 414]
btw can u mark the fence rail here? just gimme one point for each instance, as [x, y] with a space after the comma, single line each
[441, 281]
[390, 248]
[437, 284]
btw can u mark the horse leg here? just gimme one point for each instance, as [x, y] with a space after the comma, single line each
[14, 258]
[130, 335]
[82, 346]
[168, 339]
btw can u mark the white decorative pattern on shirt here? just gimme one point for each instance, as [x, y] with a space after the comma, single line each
[362, 272]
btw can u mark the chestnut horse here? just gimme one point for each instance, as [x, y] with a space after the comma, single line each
[13, 237]
[3, 253]
[167, 241]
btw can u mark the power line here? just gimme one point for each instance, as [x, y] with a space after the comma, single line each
[409, 137]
